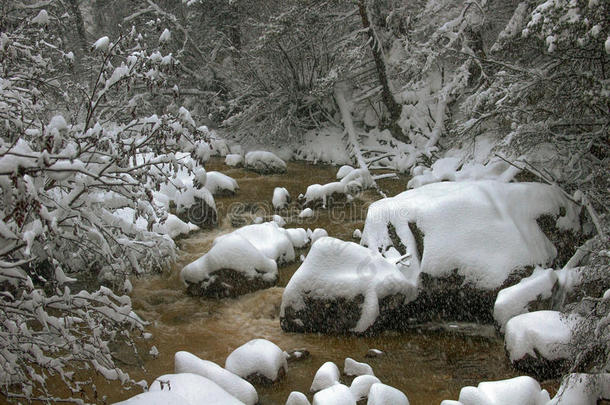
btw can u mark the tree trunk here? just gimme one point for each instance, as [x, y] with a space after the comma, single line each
[80, 25]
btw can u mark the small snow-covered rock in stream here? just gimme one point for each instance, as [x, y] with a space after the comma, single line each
[297, 398]
[338, 394]
[317, 234]
[467, 240]
[362, 385]
[357, 234]
[270, 239]
[281, 198]
[185, 362]
[326, 376]
[343, 287]
[539, 342]
[155, 398]
[519, 390]
[306, 213]
[582, 389]
[234, 160]
[220, 184]
[353, 367]
[195, 389]
[372, 353]
[258, 361]
[196, 206]
[381, 394]
[520, 298]
[353, 182]
[298, 236]
[264, 162]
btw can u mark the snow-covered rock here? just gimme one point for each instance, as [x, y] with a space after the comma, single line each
[344, 171]
[298, 236]
[234, 160]
[155, 398]
[343, 287]
[539, 342]
[335, 395]
[185, 362]
[270, 239]
[357, 234]
[582, 389]
[531, 293]
[280, 221]
[381, 394]
[317, 234]
[297, 398]
[362, 385]
[519, 390]
[258, 361]
[220, 184]
[195, 389]
[467, 240]
[306, 213]
[196, 206]
[323, 195]
[264, 162]
[327, 375]
[353, 367]
[281, 198]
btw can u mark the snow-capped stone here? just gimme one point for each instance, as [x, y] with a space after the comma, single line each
[585, 389]
[185, 362]
[381, 394]
[200, 177]
[195, 389]
[353, 182]
[270, 239]
[165, 35]
[196, 206]
[317, 234]
[374, 353]
[344, 171]
[264, 162]
[539, 341]
[298, 236]
[297, 398]
[306, 213]
[362, 385]
[258, 361]
[519, 390]
[102, 44]
[344, 278]
[352, 367]
[281, 222]
[218, 183]
[357, 234]
[42, 18]
[326, 376]
[155, 398]
[516, 299]
[281, 198]
[234, 160]
[335, 395]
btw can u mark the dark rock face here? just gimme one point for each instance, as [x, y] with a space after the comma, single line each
[200, 214]
[542, 368]
[297, 354]
[259, 379]
[228, 283]
[566, 242]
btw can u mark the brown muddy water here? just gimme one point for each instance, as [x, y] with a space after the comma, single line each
[428, 365]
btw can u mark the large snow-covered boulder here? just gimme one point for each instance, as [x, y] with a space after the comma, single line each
[381, 394]
[258, 361]
[327, 375]
[467, 240]
[264, 162]
[343, 287]
[297, 398]
[196, 206]
[185, 362]
[195, 389]
[335, 395]
[539, 342]
[220, 184]
[519, 390]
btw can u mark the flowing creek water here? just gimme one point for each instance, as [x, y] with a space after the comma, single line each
[429, 364]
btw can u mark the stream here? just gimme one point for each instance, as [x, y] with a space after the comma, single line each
[428, 364]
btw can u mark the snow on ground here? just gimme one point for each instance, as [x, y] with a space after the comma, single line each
[544, 333]
[217, 182]
[354, 368]
[327, 375]
[264, 162]
[515, 299]
[381, 394]
[582, 389]
[334, 268]
[362, 385]
[338, 394]
[459, 220]
[185, 362]
[258, 356]
[195, 389]
[234, 160]
[281, 198]
[519, 390]
[297, 398]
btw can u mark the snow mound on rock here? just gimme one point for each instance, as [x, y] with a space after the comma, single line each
[217, 182]
[281, 198]
[264, 162]
[234, 159]
[269, 238]
[155, 398]
[460, 220]
[327, 375]
[381, 394]
[519, 390]
[353, 182]
[353, 367]
[257, 357]
[362, 385]
[298, 236]
[195, 389]
[335, 395]
[297, 398]
[334, 268]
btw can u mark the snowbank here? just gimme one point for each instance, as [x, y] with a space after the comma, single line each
[519, 390]
[381, 394]
[195, 389]
[258, 360]
[340, 272]
[264, 162]
[327, 375]
[218, 183]
[185, 362]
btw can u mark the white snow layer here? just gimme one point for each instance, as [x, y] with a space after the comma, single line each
[362, 385]
[217, 182]
[381, 394]
[258, 356]
[519, 390]
[185, 362]
[547, 333]
[334, 268]
[264, 161]
[515, 299]
[280, 199]
[155, 398]
[234, 159]
[327, 375]
[335, 395]
[269, 238]
[353, 367]
[459, 220]
[195, 389]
